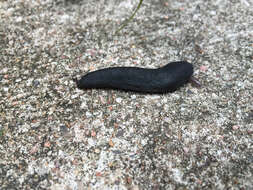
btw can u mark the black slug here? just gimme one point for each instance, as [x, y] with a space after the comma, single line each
[165, 79]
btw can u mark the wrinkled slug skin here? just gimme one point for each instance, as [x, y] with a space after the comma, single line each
[165, 79]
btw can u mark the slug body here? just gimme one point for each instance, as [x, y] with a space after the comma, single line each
[165, 79]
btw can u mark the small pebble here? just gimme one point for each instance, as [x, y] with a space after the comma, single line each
[36, 83]
[119, 100]
[235, 127]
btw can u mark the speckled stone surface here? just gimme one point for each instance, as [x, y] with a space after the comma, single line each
[54, 136]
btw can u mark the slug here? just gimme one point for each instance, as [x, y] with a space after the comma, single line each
[161, 80]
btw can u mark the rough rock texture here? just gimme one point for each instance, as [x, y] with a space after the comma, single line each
[54, 136]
